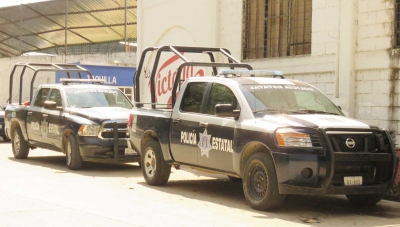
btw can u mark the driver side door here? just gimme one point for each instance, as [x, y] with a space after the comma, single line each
[36, 126]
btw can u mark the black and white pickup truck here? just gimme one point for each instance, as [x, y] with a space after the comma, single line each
[79, 117]
[2, 125]
[279, 136]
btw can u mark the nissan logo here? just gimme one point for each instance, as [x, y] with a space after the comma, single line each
[350, 143]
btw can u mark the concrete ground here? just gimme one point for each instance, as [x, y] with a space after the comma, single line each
[41, 191]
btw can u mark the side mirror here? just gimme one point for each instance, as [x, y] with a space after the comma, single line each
[340, 108]
[226, 110]
[51, 105]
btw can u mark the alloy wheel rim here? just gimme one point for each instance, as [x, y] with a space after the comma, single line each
[17, 143]
[150, 163]
[69, 153]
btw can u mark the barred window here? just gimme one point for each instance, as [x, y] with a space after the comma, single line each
[397, 24]
[276, 28]
[127, 91]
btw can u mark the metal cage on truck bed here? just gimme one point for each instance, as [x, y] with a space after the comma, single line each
[177, 50]
[43, 67]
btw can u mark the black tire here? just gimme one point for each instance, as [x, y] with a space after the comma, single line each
[155, 169]
[5, 139]
[365, 199]
[260, 183]
[235, 179]
[20, 147]
[74, 158]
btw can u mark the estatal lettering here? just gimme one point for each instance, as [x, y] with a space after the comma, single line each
[215, 143]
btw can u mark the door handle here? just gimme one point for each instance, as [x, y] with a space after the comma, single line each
[203, 124]
[176, 120]
[29, 113]
[45, 115]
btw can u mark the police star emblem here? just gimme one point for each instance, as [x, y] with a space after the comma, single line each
[204, 143]
[44, 129]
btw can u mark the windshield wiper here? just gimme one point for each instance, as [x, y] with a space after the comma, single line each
[270, 111]
[317, 112]
[284, 111]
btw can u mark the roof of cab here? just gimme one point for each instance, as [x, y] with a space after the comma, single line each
[80, 86]
[248, 80]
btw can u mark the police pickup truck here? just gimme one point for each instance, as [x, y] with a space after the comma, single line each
[278, 136]
[2, 125]
[79, 117]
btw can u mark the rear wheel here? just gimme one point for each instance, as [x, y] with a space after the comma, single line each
[19, 146]
[260, 184]
[74, 158]
[365, 199]
[155, 169]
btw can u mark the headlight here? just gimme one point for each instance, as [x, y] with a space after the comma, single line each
[89, 130]
[289, 137]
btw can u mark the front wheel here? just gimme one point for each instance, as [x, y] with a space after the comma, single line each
[19, 146]
[365, 199]
[155, 169]
[260, 184]
[74, 158]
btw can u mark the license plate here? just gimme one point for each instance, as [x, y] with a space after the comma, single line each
[129, 151]
[352, 181]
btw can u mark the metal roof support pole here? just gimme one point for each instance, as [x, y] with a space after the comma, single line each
[125, 26]
[66, 28]
[20, 30]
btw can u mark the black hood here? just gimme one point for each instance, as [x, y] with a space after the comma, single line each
[100, 114]
[314, 121]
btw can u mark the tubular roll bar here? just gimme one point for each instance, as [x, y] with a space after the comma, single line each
[177, 50]
[40, 67]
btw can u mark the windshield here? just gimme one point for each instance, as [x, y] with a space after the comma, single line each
[94, 97]
[282, 98]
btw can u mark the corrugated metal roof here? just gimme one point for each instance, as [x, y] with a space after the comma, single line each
[37, 26]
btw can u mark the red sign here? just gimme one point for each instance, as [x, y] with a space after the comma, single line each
[166, 76]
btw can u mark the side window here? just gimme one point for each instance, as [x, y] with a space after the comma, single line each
[56, 97]
[193, 96]
[220, 94]
[41, 97]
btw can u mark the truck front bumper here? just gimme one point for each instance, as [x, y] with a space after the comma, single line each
[105, 150]
[2, 128]
[313, 174]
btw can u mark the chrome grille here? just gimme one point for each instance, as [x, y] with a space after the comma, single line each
[107, 130]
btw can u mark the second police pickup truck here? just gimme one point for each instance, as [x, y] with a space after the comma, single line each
[279, 136]
[81, 118]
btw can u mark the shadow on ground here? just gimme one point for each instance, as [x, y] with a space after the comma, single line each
[58, 163]
[296, 208]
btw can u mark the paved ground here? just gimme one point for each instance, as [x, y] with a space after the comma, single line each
[41, 191]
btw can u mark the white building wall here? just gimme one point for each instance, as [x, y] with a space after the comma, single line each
[374, 64]
[351, 60]
[177, 22]
[231, 26]
[7, 64]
